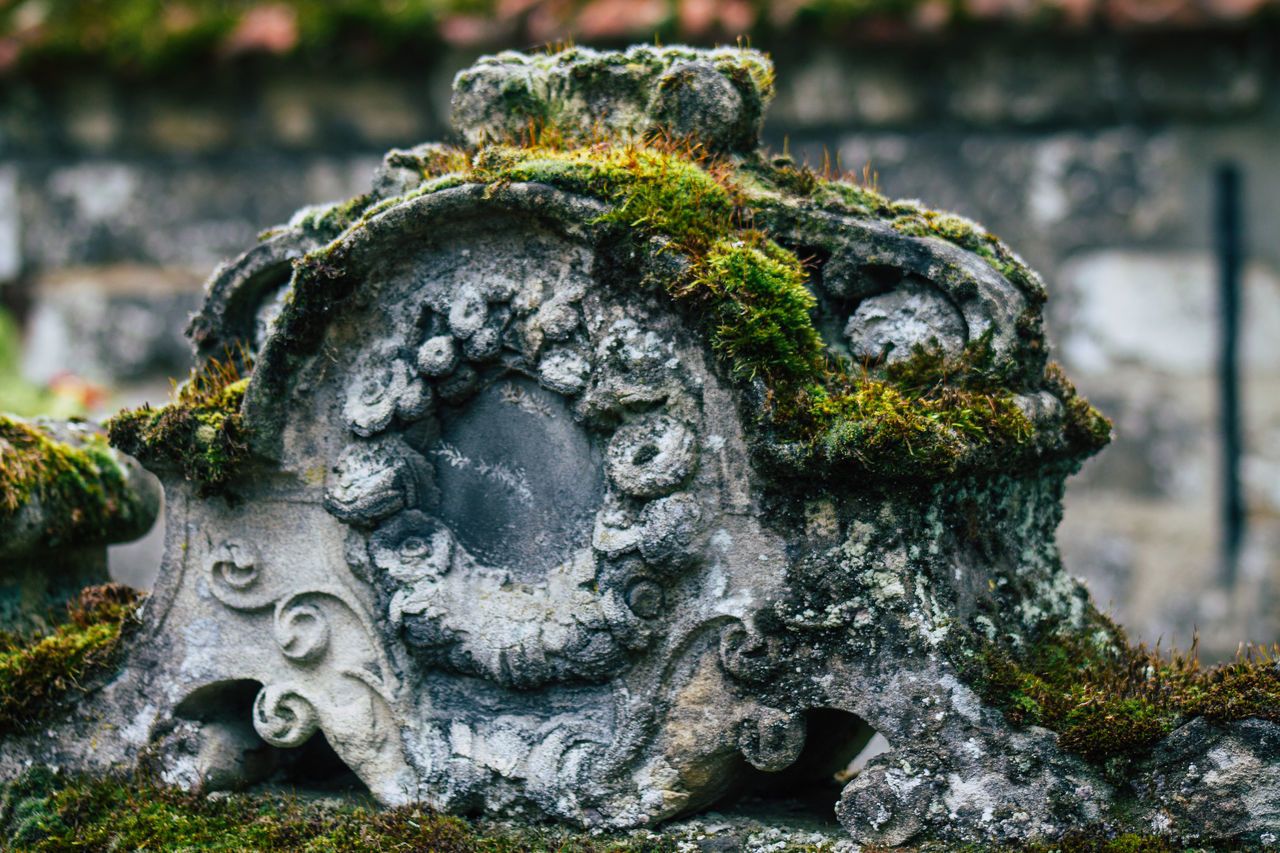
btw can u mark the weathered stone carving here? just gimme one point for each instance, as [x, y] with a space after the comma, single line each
[565, 492]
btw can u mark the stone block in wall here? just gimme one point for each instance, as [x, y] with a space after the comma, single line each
[1142, 338]
[831, 88]
[368, 111]
[1021, 81]
[116, 325]
[10, 225]
[1050, 194]
[1160, 310]
[180, 127]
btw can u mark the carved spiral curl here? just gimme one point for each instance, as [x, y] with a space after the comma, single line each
[236, 576]
[302, 631]
[746, 655]
[236, 564]
[283, 717]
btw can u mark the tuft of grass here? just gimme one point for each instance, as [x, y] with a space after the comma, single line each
[1106, 698]
[201, 434]
[42, 673]
[82, 490]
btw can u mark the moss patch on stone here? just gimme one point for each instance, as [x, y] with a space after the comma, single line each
[932, 417]
[1107, 698]
[82, 492]
[201, 434]
[41, 674]
[854, 196]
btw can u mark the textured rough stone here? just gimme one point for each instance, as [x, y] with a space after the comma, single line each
[1214, 781]
[715, 97]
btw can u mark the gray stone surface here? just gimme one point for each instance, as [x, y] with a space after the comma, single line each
[1214, 781]
[121, 326]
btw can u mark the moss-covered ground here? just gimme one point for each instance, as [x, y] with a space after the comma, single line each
[82, 491]
[1108, 699]
[42, 673]
[45, 812]
[201, 434]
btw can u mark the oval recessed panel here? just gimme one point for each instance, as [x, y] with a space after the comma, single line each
[520, 481]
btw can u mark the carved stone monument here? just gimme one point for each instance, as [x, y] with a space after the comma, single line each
[605, 467]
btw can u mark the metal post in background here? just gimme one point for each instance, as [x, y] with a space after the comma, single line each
[1229, 243]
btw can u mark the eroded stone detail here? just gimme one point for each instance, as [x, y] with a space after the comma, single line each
[888, 326]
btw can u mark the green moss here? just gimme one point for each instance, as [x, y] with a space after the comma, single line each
[760, 310]
[749, 292]
[929, 417]
[1106, 698]
[201, 434]
[654, 188]
[1083, 427]
[82, 491]
[46, 812]
[845, 194]
[38, 674]
[894, 431]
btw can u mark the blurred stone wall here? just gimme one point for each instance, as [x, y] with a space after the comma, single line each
[1092, 156]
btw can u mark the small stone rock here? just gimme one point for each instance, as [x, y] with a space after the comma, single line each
[694, 100]
[668, 527]
[467, 313]
[459, 386]
[650, 458]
